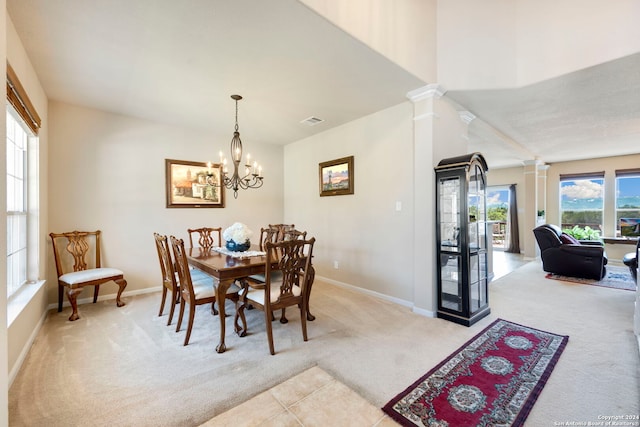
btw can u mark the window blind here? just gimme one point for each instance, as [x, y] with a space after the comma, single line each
[17, 96]
[627, 172]
[574, 176]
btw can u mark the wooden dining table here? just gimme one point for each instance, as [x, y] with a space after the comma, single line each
[227, 269]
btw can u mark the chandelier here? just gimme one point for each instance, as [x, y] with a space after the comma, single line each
[252, 177]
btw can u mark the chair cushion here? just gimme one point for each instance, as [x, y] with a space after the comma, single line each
[88, 275]
[205, 290]
[257, 295]
[202, 290]
[275, 275]
[567, 239]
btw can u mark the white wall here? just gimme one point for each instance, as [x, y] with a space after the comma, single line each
[404, 31]
[107, 172]
[503, 43]
[477, 47]
[364, 232]
[558, 37]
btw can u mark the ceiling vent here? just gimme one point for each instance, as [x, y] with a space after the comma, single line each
[312, 121]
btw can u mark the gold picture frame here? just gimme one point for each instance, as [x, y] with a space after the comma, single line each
[336, 177]
[187, 184]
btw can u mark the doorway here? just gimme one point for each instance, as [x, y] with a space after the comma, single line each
[498, 216]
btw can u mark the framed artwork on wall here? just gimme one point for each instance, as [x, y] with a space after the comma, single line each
[193, 184]
[336, 177]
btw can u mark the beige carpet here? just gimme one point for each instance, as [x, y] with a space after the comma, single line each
[122, 367]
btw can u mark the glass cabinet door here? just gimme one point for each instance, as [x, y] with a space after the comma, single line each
[450, 214]
[450, 248]
[462, 239]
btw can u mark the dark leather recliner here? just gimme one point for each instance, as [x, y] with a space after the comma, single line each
[586, 259]
[631, 261]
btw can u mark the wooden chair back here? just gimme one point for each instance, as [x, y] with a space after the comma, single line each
[166, 264]
[295, 235]
[182, 268]
[169, 280]
[274, 233]
[281, 229]
[293, 259]
[208, 237]
[76, 251]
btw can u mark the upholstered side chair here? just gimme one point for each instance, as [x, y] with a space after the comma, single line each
[78, 265]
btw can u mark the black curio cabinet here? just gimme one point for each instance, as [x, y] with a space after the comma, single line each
[461, 233]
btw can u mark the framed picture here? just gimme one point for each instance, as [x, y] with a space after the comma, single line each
[193, 184]
[336, 177]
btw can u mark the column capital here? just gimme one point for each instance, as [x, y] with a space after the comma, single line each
[466, 116]
[433, 90]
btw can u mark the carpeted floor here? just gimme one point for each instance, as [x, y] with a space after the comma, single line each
[125, 367]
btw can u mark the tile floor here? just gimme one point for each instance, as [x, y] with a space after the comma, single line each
[505, 262]
[312, 398]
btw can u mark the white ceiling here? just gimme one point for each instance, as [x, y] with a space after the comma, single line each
[591, 113]
[179, 62]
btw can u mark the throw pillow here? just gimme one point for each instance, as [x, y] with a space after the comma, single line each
[568, 239]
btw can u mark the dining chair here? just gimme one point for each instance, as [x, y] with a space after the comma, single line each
[169, 279]
[195, 294]
[78, 264]
[206, 236]
[293, 259]
[274, 233]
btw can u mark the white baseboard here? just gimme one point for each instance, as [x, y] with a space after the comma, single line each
[405, 303]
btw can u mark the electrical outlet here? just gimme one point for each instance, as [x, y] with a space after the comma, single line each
[336, 265]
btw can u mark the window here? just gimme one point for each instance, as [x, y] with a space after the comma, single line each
[627, 195]
[498, 215]
[582, 200]
[16, 204]
[22, 177]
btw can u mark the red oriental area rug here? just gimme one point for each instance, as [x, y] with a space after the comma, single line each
[492, 380]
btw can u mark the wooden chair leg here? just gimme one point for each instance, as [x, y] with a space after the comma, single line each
[164, 296]
[303, 320]
[121, 285]
[72, 294]
[283, 318]
[192, 313]
[242, 332]
[180, 315]
[267, 318]
[60, 297]
[213, 309]
[96, 290]
[173, 307]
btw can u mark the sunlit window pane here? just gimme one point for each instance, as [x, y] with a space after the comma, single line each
[582, 203]
[17, 143]
[627, 204]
